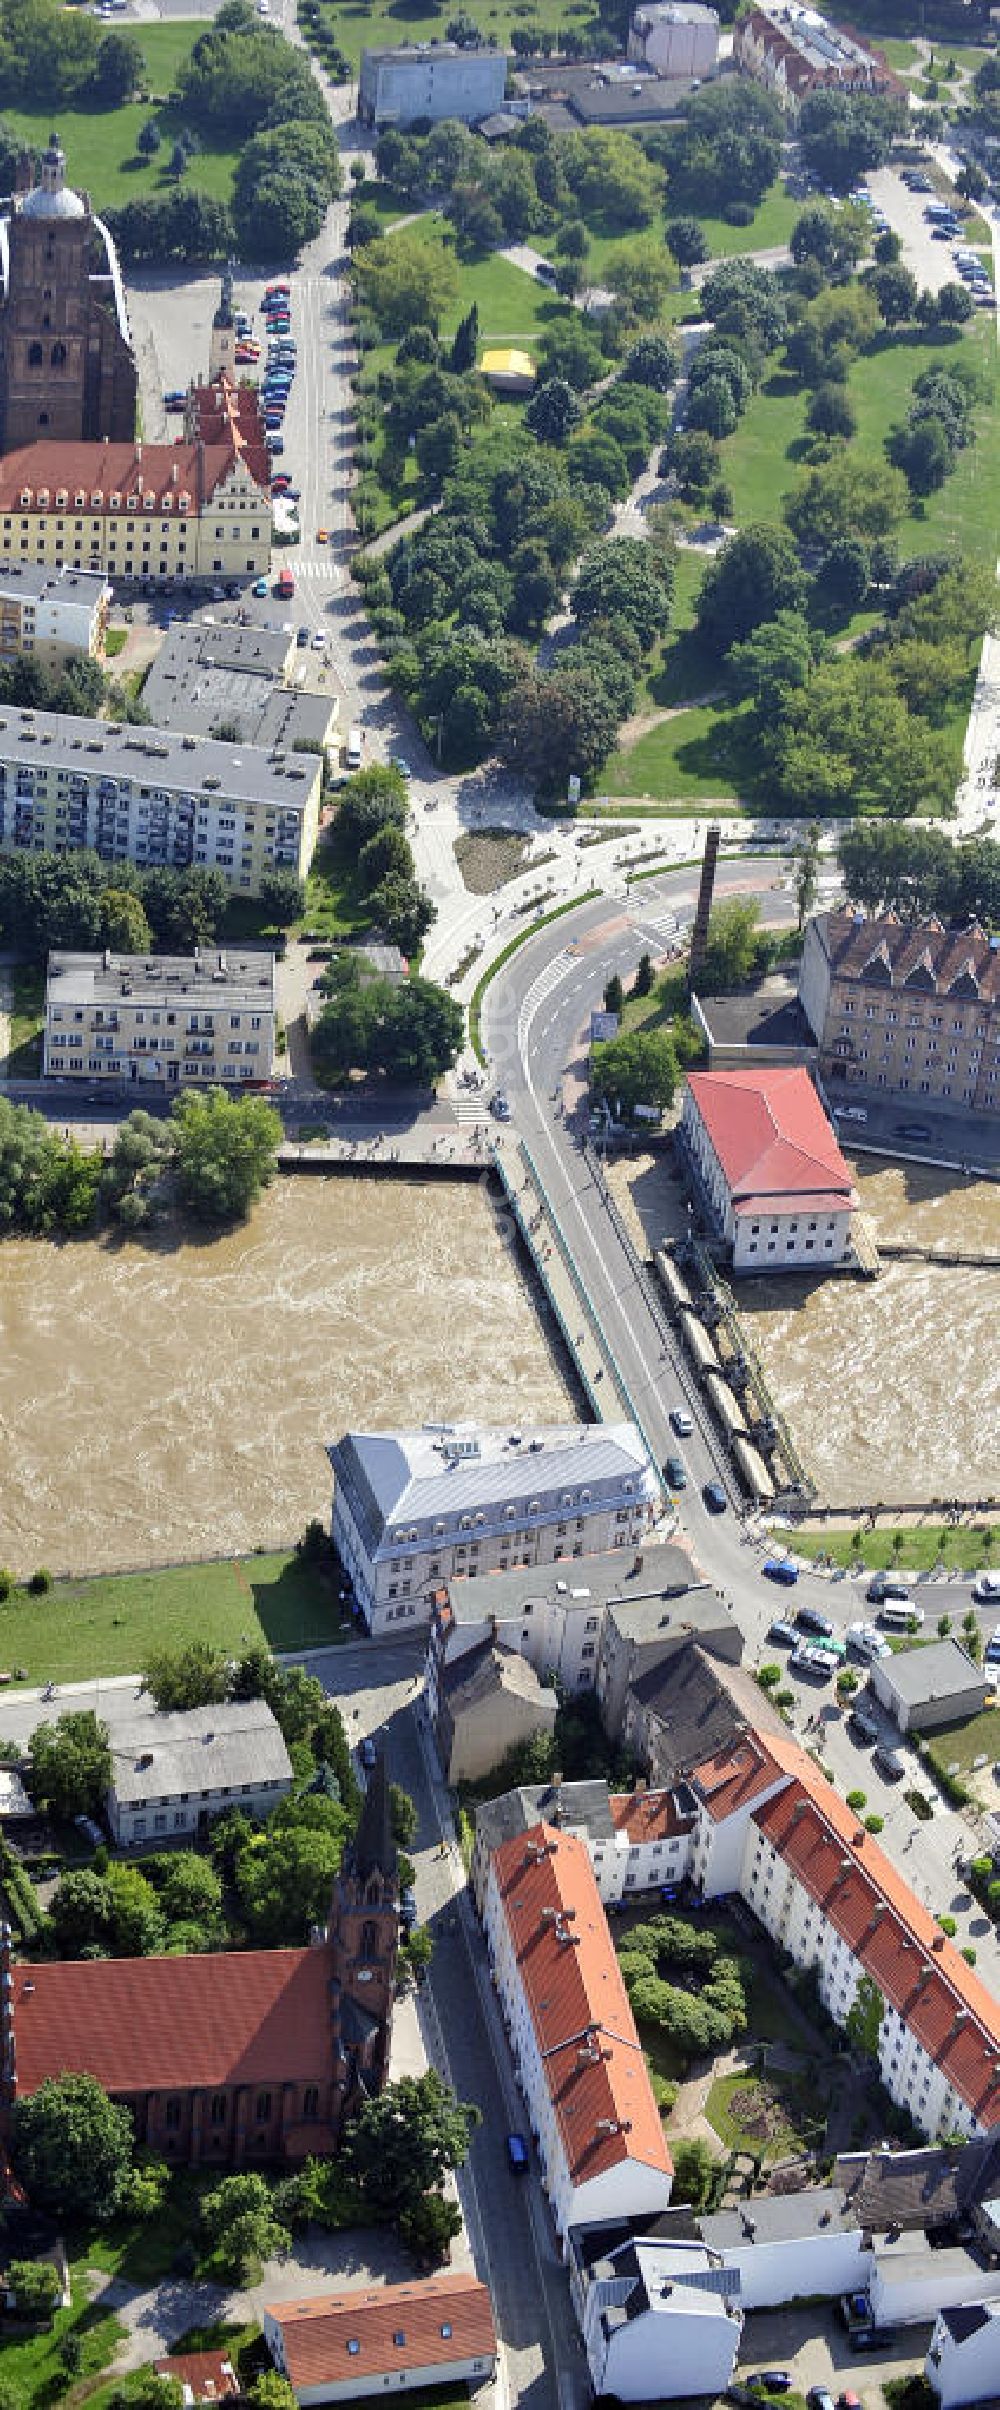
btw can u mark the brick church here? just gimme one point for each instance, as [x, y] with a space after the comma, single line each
[230, 2057]
[67, 368]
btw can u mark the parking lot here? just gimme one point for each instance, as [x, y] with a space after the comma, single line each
[930, 261]
[813, 2346]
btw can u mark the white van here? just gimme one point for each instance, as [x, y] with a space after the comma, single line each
[898, 1618]
[355, 747]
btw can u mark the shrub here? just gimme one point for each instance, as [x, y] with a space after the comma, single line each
[738, 213]
[857, 1800]
[6, 1583]
[919, 1804]
[41, 1580]
[768, 1676]
[874, 1824]
[948, 1926]
[969, 1954]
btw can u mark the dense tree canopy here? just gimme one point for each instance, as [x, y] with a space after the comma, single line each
[72, 2148]
[226, 1152]
[71, 1764]
[755, 576]
[637, 1068]
[401, 2145]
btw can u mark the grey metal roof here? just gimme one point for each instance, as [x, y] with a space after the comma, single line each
[483, 1672]
[38, 581]
[581, 1806]
[935, 1672]
[156, 757]
[667, 1573]
[208, 675]
[779, 2218]
[211, 977]
[409, 1477]
[697, 1704]
[197, 1749]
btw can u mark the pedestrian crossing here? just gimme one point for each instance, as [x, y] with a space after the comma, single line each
[317, 567]
[542, 987]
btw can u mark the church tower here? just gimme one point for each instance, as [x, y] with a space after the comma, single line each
[222, 350]
[67, 368]
[364, 1937]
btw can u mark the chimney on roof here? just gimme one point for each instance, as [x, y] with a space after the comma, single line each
[607, 2125]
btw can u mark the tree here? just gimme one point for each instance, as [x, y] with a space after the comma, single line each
[731, 946]
[755, 576]
[282, 896]
[465, 346]
[780, 653]
[557, 723]
[553, 411]
[954, 304]
[806, 860]
[614, 994]
[271, 2391]
[744, 300]
[429, 2227]
[402, 2144]
[842, 579]
[687, 240]
[119, 69]
[843, 134]
[639, 277]
[284, 1878]
[404, 1815]
[895, 292]
[654, 361]
[403, 910]
[240, 2229]
[831, 412]
[622, 579]
[227, 1151]
[863, 2022]
[79, 1912]
[924, 453]
[846, 497]
[124, 926]
[72, 2148]
[148, 139]
[695, 2168]
[71, 1764]
[191, 1892]
[638, 1068]
[36, 2287]
[195, 1676]
[729, 149]
[403, 282]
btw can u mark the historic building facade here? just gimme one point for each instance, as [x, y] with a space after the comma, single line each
[67, 367]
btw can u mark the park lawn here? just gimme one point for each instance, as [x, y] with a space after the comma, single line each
[367, 23]
[798, 2105]
[961, 1744]
[696, 755]
[682, 668]
[769, 230]
[901, 55]
[758, 460]
[914, 1547]
[100, 144]
[109, 1624]
[30, 2364]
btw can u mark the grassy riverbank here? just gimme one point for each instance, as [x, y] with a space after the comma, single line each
[80, 1629]
[916, 1547]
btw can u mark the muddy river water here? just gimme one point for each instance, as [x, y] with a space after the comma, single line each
[173, 1399]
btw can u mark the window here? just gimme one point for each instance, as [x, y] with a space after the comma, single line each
[172, 2115]
[354, 2346]
[310, 2102]
[399, 2339]
[263, 2107]
[219, 2108]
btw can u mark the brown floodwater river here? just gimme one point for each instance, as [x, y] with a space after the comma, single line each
[173, 1399]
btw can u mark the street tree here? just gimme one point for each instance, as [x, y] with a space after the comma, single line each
[637, 1068]
[72, 2148]
[806, 860]
[193, 1676]
[731, 946]
[402, 2144]
[70, 1764]
[227, 1152]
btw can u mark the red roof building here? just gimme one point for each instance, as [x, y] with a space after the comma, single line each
[587, 2091]
[767, 1168]
[206, 2376]
[191, 510]
[335, 2346]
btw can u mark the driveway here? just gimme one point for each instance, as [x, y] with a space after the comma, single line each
[155, 2316]
[814, 2346]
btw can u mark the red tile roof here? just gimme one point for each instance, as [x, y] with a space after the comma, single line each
[98, 470]
[441, 2318]
[209, 2375]
[741, 1771]
[586, 2034]
[647, 1815]
[920, 1973]
[231, 414]
[772, 1139]
[888, 952]
[156, 2024]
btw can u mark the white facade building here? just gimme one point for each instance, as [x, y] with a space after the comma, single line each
[637, 1841]
[780, 2246]
[171, 1773]
[963, 2363]
[51, 615]
[658, 2325]
[675, 37]
[414, 1510]
[768, 1169]
[601, 2148]
[160, 1018]
[392, 2338]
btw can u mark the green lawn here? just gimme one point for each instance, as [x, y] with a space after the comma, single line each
[367, 23]
[792, 2107]
[108, 1625]
[30, 2364]
[513, 306]
[961, 1744]
[920, 1546]
[696, 756]
[100, 144]
[26, 1021]
[770, 228]
[901, 55]
[682, 668]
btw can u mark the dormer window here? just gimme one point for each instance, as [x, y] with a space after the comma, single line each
[43, 497]
[62, 497]
[132, 502]
[149, 501]
[97, 498]
[183, 501]
[116, 501]
[80, 499]
[166, 502]
[26, 497]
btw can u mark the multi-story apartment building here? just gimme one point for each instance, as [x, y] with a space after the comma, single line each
[793, 51]
[160, 1018]
[636, 1840]
[414, 1510]
[155, 797]
[909, 1009]
[769, 1173]
[601, 2146]
[51, 615]
[146, 514]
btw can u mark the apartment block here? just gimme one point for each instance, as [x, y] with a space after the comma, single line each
[160, 1019]
[146, 514]
[150, 796]
[793, 51]
[416, 1510]
[637, 1841]
[909, 1009]
[51, 615]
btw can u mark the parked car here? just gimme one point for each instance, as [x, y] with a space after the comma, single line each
[518, 2155]
[680, 1421]
[890, 1765]
[674, 1473]
[259, 587]
[819, 2398]
[772, 2380]
[407, 1911]
[368, 1754]
[861, 1725]
[809, 1619]
[714, 1496]
[302, 638]
[782, 1633]
[917, 1130]
[986, 1588]
[808, 1657]
[780, 1569]
[887, 1585]
[499, 1107]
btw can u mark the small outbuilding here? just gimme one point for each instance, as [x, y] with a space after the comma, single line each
[926, 1688]
[509, 371]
